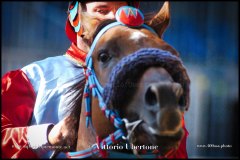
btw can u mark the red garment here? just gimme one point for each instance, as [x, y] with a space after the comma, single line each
[18, 99]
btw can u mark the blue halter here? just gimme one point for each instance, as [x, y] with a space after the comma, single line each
[93, 86]
[93, 83]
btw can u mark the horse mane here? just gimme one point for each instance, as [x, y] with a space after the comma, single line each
[72, 104]
[74, 97]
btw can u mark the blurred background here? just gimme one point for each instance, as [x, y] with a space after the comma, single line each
[204, 33]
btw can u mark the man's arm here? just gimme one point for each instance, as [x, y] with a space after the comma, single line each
[19, 139]
[18, 99]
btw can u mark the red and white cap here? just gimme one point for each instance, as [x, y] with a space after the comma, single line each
[71, 34]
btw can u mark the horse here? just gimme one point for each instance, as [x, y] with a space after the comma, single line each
[136, 89]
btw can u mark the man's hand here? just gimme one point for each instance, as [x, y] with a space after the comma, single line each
[64, 133]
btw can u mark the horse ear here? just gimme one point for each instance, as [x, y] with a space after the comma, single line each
[161, 20]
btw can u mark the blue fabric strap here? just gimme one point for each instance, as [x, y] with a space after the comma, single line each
[94, 150]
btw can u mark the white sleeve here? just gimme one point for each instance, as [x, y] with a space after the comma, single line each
[38, 139]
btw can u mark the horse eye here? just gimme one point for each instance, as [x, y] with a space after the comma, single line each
[104, 57]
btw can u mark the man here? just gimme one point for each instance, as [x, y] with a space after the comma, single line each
[33, 98]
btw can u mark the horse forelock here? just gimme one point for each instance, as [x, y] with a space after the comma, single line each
[102, 25]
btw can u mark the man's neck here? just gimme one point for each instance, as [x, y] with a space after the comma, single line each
[76, 54]
[82, 45]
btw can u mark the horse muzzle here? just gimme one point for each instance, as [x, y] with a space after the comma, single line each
[154, 104]
[159, 109]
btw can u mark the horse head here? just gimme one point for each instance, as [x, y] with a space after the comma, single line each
[137, 86]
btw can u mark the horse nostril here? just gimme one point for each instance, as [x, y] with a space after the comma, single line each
[150, 97]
